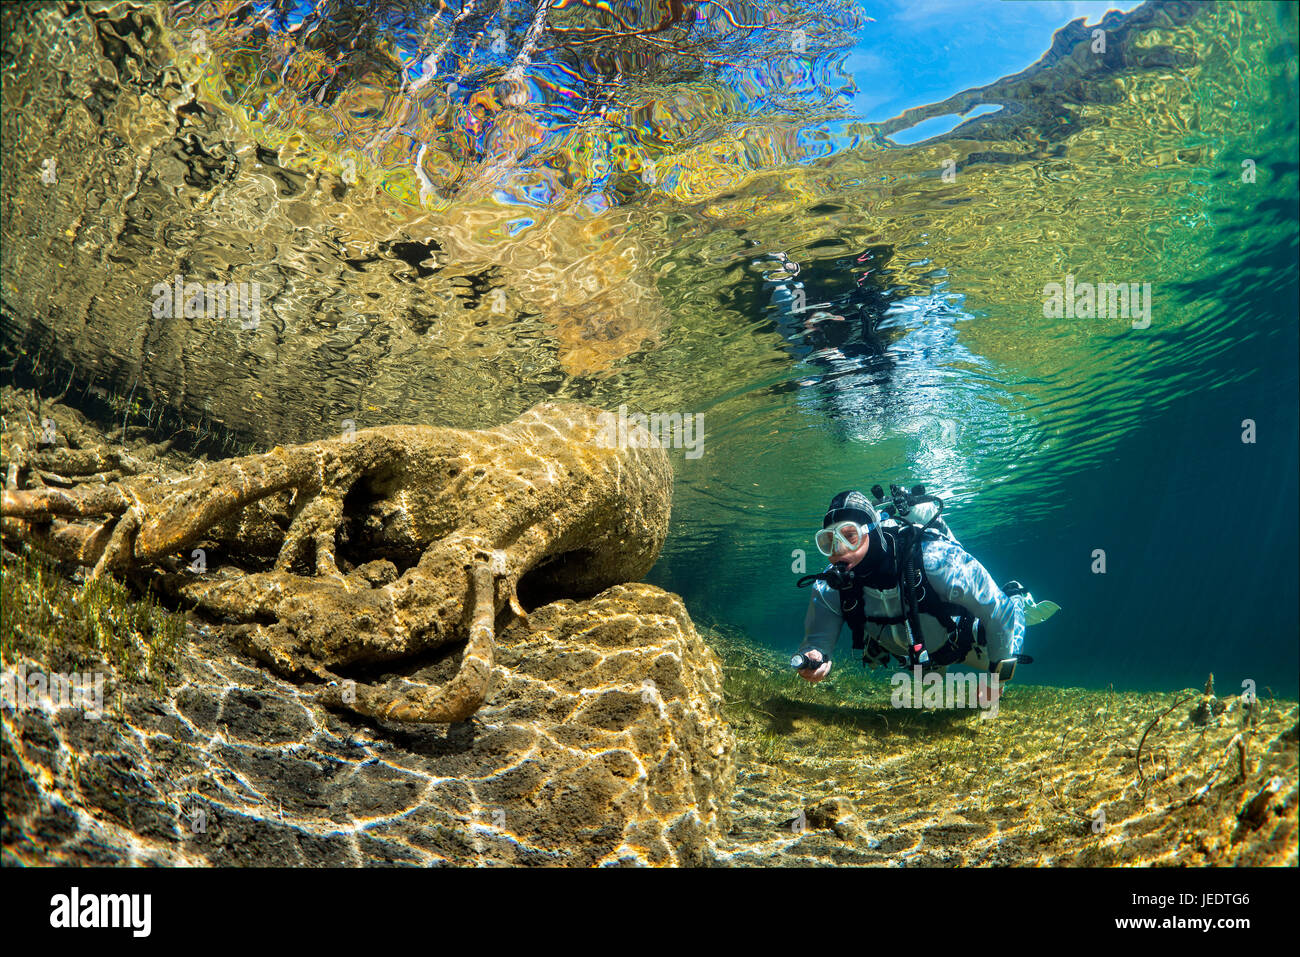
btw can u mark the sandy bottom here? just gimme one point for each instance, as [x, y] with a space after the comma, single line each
[834, 774]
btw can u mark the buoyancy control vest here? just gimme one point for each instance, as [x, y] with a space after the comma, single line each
[911, 596]
[919, 597]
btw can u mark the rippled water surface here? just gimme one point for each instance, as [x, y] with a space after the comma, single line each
[452, 212]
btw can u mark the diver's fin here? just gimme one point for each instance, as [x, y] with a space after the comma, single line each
[1037, 612]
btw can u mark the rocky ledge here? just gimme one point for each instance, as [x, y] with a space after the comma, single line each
[602, 742]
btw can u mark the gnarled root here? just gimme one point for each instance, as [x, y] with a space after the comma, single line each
[454, 701]
[549, 502]
[46, 502]
[69, 541]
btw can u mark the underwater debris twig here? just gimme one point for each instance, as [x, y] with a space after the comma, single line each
[1238, 741]
[1272, 702]
[32, 424]
[1142, 777]
[1055, 806]
[127, 409]
[1061, 748]
[66, 386]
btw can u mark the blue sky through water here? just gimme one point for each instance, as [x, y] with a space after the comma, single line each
[923, 51]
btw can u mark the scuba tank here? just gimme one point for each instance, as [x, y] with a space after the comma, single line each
[913, 508]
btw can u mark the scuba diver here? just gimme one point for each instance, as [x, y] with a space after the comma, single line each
[906, 588]
[837, 327]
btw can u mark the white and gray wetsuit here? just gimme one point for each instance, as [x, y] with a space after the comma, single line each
[958, 578]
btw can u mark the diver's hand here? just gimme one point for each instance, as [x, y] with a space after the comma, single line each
[814, 674]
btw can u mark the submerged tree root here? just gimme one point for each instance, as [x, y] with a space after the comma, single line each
[299, 549]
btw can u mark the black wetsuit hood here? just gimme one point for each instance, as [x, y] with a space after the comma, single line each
[879, 567]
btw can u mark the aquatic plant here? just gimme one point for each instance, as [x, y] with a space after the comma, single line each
[46, 617]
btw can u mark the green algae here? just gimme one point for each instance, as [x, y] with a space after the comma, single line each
[1052, 779]
[47, 618]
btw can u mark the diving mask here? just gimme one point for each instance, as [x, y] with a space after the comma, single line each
[847, 534]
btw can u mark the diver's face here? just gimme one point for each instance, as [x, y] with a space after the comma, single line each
[851, 557]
